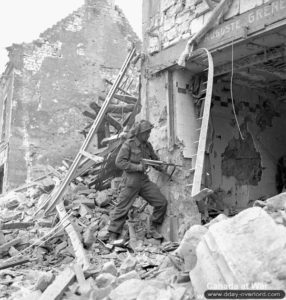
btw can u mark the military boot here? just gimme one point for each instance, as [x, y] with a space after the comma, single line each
[154, 233]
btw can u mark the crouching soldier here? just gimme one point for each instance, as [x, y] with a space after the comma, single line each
[136, 181]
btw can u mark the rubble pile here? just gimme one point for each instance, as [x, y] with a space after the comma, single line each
[41, 259]
[35, 249]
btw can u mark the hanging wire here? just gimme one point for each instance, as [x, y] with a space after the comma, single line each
[231, 94]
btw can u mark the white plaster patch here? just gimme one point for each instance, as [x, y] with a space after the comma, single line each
[18, 72]
[80, 49]
[34, 62]
[75, 24]
[26, 147]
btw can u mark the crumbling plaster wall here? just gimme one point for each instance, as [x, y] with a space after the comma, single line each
[182, 210]
[56, 77]
[165, 24]
[249, 173]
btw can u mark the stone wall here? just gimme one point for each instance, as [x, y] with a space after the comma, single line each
[56, 77]
[166, 22]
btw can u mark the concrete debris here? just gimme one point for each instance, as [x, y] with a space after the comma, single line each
[127, 276]
[105, 280]
[187, 248]
[44, 281]
[242, 252]
[110, 268]
[67, 255]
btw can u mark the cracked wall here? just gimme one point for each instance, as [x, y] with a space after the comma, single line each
[243, 170]
[56, 77]
[241, 159]
[166, 22]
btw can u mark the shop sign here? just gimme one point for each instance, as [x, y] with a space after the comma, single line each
[245, 24]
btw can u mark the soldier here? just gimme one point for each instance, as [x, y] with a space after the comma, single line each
[136, 181]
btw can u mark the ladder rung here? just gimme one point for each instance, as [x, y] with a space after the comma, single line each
[119, 88]
[196, 142]
[205, 69]
[192, 170]
[202, 91]
[193, 155]
[198, 129]
[200, 118]
[189, 185]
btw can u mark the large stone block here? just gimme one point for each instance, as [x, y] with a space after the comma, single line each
[241, 252]
[131, 289]
[188, 245]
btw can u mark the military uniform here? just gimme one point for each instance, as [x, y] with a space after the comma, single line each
[136, 182]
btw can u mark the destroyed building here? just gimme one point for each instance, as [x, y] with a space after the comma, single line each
[240, 136]
[50, 82]
[213, 85]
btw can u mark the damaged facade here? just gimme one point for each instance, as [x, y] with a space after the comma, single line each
[219, 110]
[246, 133]
[50, 82]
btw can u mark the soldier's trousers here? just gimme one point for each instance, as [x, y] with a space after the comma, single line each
[138, 183]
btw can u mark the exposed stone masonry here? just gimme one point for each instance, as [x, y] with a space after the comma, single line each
[56, 77]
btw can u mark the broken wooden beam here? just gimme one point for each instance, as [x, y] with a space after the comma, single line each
[79, 251]
[5, 247]
[119, 88]
[119, 108]
[84, 286]
[113, 122]
[126, 98]
[14, 263]
[113, 138]
[16, 225]
[56, 290]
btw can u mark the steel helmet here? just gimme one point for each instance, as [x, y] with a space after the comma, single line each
[144, 125]
[140, 127]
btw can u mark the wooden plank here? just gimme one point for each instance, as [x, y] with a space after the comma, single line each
[16, 225]
[84, 286]
[199, 166]
[170, 108]
[113, 122]
[79, 251]
[126, 98]
[56, 290]
[119, 88]
[5, 247]
[119, 108]
[14, 263]
[95, 158]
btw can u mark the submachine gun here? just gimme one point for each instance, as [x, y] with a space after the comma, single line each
[162, 165]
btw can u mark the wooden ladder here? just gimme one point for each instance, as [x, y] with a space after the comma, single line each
[84, 154]
[204, 56]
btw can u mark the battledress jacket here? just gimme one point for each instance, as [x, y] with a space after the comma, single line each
[131, 153]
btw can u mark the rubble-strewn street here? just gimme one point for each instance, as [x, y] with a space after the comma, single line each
[39, 260]
[150, 169]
